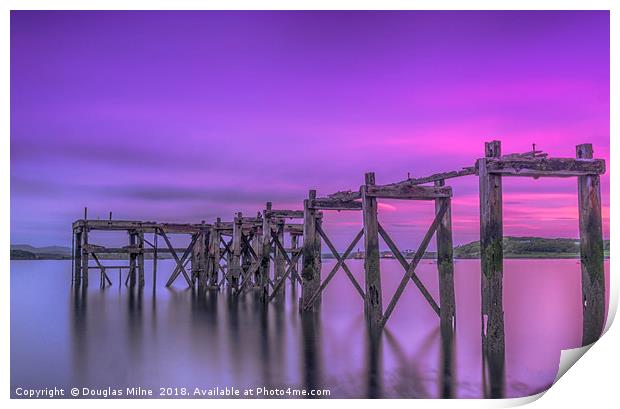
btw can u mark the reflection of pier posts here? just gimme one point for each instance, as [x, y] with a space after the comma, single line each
[312, 358]
[374, 365]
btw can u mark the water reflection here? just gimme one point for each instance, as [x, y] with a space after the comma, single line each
[182, 338]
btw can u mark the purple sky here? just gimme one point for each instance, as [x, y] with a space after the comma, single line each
[184, 116]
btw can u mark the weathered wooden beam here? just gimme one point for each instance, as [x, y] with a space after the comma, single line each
[408, 191]
[438, 176]
[334, 204]
[592, 252]
[545, 167]
[311, 265]
[492, 260]
[286, 214]
[114, 225]
[345, 195]
[445, 267]
[373, 304]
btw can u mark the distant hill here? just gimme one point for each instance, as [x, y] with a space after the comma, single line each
[28, 252]
[529, 247]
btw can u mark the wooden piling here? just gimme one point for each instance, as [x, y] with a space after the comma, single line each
[155, 235]
[266, 251]
[140, 258]
[373, 304]
[445, 267]
[235, 260]
[77, 256]
[279, 263]
[132, 258]
[592, 251]
[213, 262]
[85, 255]
[310, 273]
[491, 259]
[294, 249]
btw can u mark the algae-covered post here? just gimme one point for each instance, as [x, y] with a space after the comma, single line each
[310, 273]
[592, 251]
[373, 300]
[491, 261]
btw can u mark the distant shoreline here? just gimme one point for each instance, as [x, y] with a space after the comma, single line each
[514, 248]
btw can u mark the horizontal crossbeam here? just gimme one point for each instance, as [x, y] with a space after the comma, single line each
[545, 167]
[408, 191]
[334, 204]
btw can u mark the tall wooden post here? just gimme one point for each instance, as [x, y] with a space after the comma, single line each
[195, 258]
[77, 256]
[294, 245]
[592, 251]
[310, 273]
[265, 261]
[235, 267]
[279, 261]
[85, 256]
[155, 235]
[491, 259]
[132, 258]
[373, 305]
[445, 267]
[214, 239]
[257, 246]
[140, 258]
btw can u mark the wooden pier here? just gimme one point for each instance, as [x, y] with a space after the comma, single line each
[249, 253]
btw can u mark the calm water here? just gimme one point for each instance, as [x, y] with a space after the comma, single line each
[171, 338]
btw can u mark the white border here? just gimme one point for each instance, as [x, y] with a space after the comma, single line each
[592, 384]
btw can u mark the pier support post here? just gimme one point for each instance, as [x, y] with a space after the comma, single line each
[77, 256]
[203, 259]
[491, 259]
[214, 265]
[373, 305]
[311, 265]
[235, 260]
[85, 255]
[140, 257]
[592, 252]
[132, 258]
[155, 235]
[266, 251]
[445, 267]
[279, 264]
[294, 246]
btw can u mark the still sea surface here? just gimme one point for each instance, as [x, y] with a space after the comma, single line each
[170, 338]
